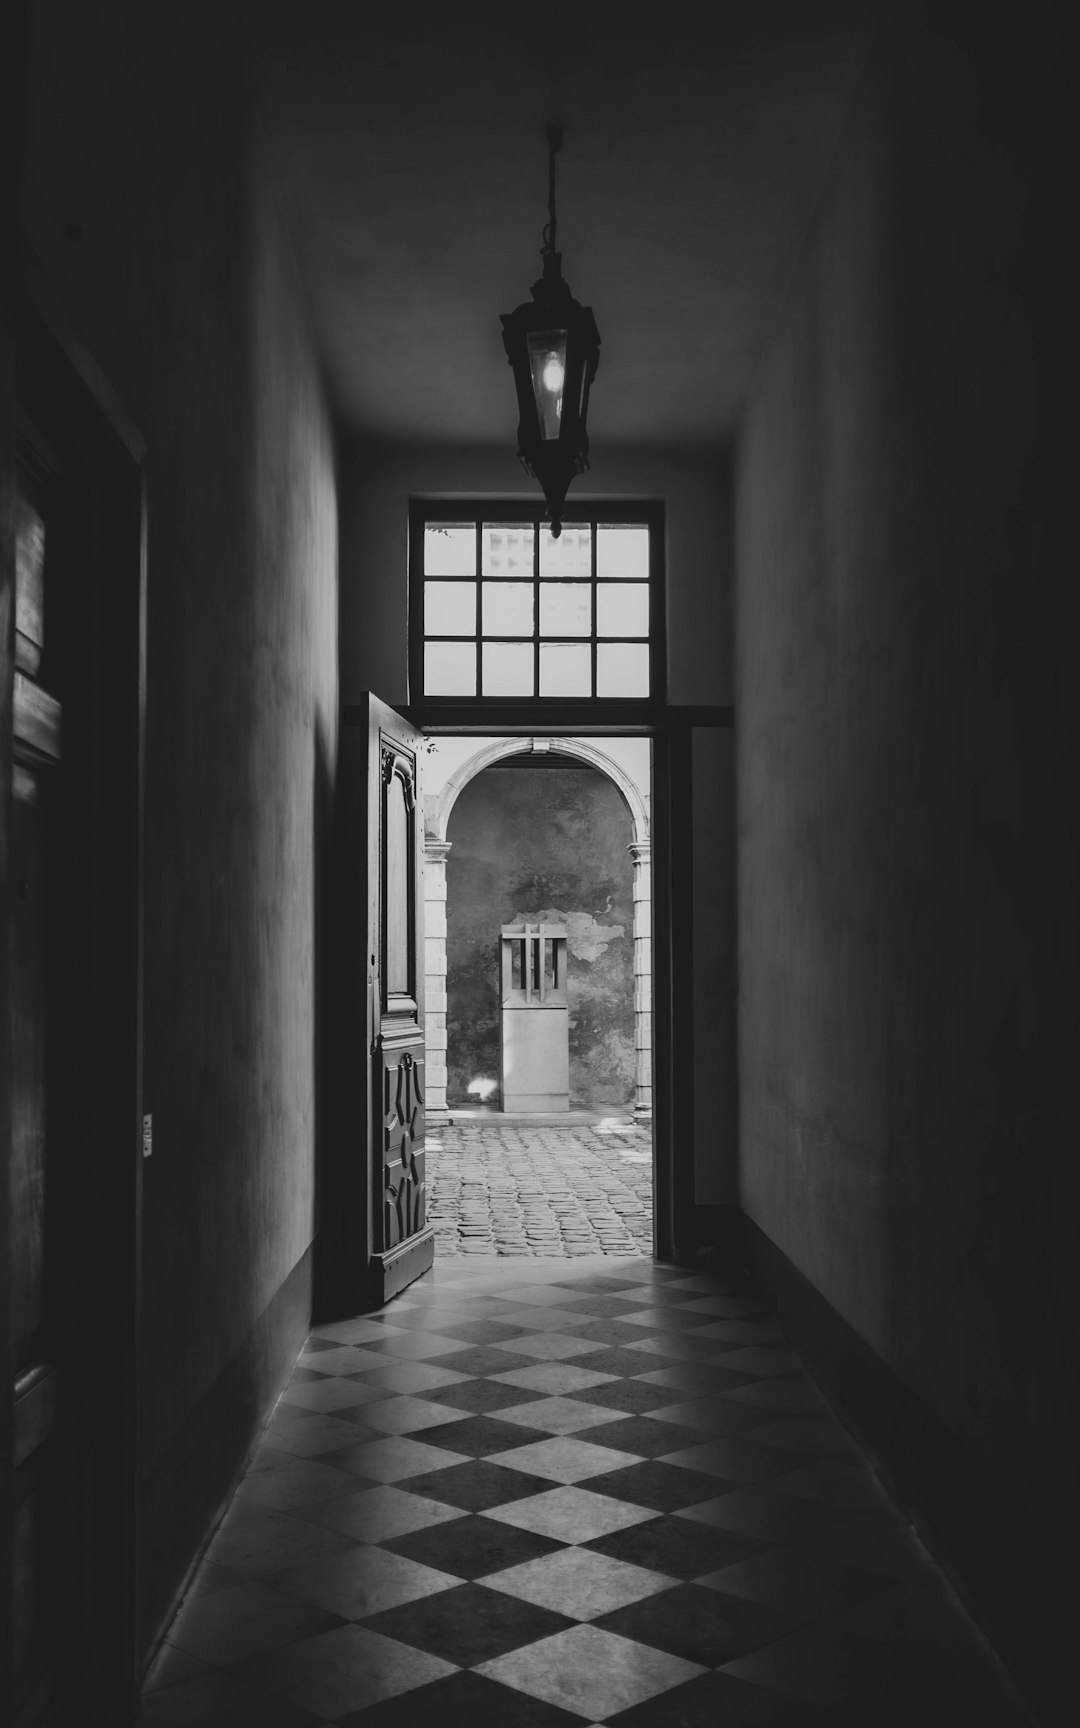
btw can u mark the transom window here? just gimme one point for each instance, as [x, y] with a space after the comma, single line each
[503, 611]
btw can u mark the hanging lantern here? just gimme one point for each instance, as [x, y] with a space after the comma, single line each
[553, 345]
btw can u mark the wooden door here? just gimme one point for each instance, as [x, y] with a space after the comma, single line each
[401, 1240]
[69, 1147]
[36, 746]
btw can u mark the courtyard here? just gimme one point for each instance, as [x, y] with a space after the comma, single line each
[515, 1188]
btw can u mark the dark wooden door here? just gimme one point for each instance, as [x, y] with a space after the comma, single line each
[70, 1005]
[36, 749]
[401, 1240]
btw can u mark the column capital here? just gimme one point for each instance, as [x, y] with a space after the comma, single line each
[437, 851]
[640, 851]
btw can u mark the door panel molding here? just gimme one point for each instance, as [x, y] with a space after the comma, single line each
[402, 1242]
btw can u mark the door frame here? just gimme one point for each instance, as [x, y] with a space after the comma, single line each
[671, 729]
[54, 376]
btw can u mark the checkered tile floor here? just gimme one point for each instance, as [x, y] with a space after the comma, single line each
[536, 1494]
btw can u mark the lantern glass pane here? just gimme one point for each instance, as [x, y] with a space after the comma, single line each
[565, 669]
[449, 549]
[622, 609]
[622, 552]
[622, 669]
[565, 608]
[450, 608]
[506, 549]
[507, 669]
[508, 608]
[449, 669]
[569, 555]
[547, 365]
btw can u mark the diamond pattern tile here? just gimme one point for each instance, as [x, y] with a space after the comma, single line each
[535, 1494]
[469, 1624]
[569, 1458]
[700, 1624]
[480, 1397]
[664, 1487]
[376, 1514]
[571, 1514]
[715, 1700]
[581, 1583]
[466, 1697]
[590, 1671]
[561, 1415]
[677, 1547]
[477, 1484]
[341, 1670]
[473, 1547]
[553, 1378]
[478, 1436]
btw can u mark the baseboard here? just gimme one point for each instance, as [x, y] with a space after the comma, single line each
[712, 1239]
[1006, 1568]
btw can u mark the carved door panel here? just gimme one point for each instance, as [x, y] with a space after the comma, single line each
[402, 1242]
[36, 753]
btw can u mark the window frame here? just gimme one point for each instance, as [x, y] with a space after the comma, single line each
[591, 712]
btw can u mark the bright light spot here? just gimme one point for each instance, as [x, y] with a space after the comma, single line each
[482, 1089]
[553, 374]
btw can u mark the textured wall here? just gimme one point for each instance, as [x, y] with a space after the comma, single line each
[146, 205]
[551, 843]
[907, 749]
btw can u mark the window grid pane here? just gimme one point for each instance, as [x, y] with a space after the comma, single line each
[622, 609]
[566, 609]
[622, 669]
[565, 669]
[507, 669]
[508, 609]
[565, 619]
[507, 550]
[450, 669]
[450, 608]
[622, 552]
[450, 549]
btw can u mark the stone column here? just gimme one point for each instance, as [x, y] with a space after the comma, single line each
[435, 856]
[641, 853]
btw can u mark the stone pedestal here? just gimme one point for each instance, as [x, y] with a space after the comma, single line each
[535, 1019]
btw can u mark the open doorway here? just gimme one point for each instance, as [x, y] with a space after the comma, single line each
[539, 995]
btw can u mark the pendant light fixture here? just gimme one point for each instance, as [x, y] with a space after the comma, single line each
[553, 345]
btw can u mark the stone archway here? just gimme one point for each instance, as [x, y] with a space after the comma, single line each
[437, 809]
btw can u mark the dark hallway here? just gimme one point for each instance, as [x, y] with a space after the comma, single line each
[250, 361]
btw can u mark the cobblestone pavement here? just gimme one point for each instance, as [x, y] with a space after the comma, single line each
[551, 1191]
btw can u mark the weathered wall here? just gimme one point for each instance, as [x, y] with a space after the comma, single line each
[146, 205]
[907, 749]
[551, 843]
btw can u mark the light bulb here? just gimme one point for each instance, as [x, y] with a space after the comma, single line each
[553, 374]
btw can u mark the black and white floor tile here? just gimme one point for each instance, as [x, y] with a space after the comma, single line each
[544, 1493]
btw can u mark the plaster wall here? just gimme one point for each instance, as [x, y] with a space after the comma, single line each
[906, 751]
[146, 204]
[378, 481]
[551, 843]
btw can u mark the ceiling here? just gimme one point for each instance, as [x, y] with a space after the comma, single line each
[408, 145]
